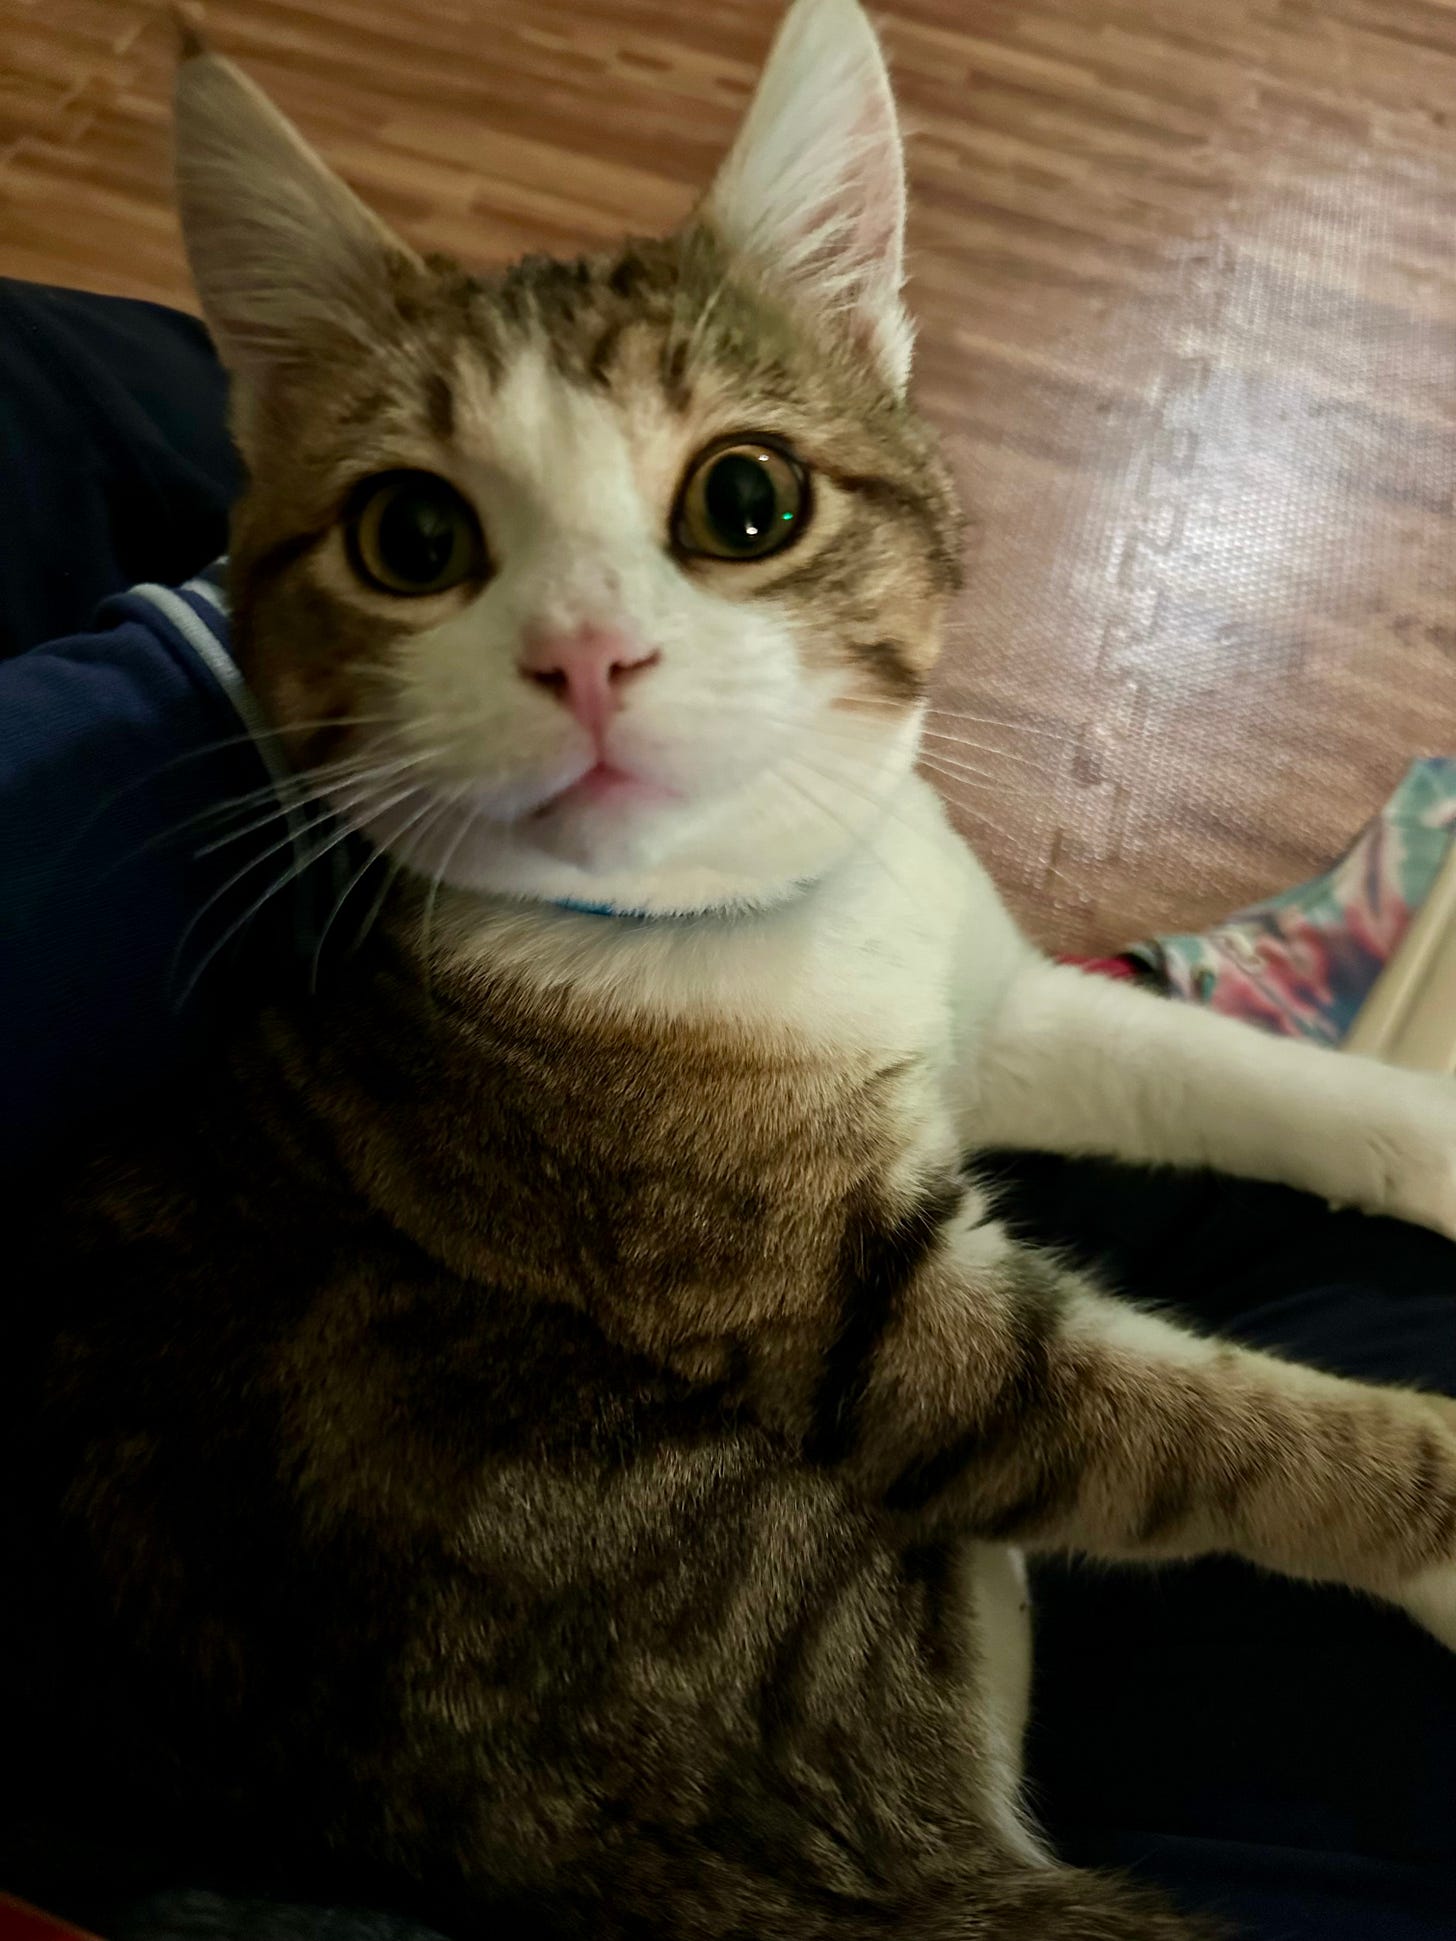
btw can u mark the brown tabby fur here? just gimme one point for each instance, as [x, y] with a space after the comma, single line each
[532, 1454]
[447, 1431]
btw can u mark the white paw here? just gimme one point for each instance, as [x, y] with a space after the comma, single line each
[1412, 1148]
[1430, 1599]
[1426, 1195]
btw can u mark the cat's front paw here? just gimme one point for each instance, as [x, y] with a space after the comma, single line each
[1430, 1599]
[1425, 1194]
[1414, 1151]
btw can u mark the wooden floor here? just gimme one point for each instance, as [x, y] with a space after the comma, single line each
[1186, 276]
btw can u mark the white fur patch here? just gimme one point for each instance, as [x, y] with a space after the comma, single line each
[1430, 1599]
[1004, 1635]
[814, 188]
[1141, 1335]
[755, 780]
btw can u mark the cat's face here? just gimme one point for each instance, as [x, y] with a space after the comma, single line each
[614, 581]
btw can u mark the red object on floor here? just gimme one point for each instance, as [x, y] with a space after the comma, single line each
[1122, 968]
[20, 1922]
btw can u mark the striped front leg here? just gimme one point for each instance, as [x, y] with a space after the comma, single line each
[1002, 1396]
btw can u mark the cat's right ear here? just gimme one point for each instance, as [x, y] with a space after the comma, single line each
[288, 262]
[813, 190]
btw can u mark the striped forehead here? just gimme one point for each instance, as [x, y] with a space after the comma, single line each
[590, 455]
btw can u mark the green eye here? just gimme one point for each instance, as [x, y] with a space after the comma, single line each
[742, 501]
[411, 533]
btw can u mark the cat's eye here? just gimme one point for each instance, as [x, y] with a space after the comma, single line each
[741, 501]
[411, 533]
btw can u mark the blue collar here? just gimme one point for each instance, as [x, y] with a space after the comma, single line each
[677, 916]
[611, 910]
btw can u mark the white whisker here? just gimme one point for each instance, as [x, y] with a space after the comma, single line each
[285, 797]
[394, 866]
[294, 870]
[348, 890]
[374, 856]
[860, 837]
[464, 830]
[984, 748]
[363, 772]
[934, 711]
[954, 771]
[325, 817]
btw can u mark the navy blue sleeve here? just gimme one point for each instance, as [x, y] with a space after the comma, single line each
[115, 461]
[117, 748]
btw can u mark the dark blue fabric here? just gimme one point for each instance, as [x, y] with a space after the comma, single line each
[115, 466]
[1286, 1754]
[1282, 1752]
[100, 872]
[115, 462]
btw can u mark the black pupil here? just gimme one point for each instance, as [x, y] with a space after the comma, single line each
[416, 533]
[741, 503]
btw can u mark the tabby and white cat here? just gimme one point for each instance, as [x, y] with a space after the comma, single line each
[559, 1420]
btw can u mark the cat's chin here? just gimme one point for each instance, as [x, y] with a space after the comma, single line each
[598, 842]
[605, 786]
[634, 845]
[607, 824]
[608, 819]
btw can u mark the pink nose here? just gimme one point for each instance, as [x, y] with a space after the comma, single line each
[585, 669]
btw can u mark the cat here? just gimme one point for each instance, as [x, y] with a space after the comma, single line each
[556, 1424]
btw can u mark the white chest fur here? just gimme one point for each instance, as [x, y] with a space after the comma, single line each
[903, 951]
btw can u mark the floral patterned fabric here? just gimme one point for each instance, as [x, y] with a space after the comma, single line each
[1303, 963]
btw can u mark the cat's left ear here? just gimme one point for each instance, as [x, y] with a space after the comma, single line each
[290, 265]
[813, 191]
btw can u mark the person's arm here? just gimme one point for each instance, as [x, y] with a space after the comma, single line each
[115, 460]
[118, 749]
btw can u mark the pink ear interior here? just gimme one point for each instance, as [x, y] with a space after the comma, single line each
[814, 190]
